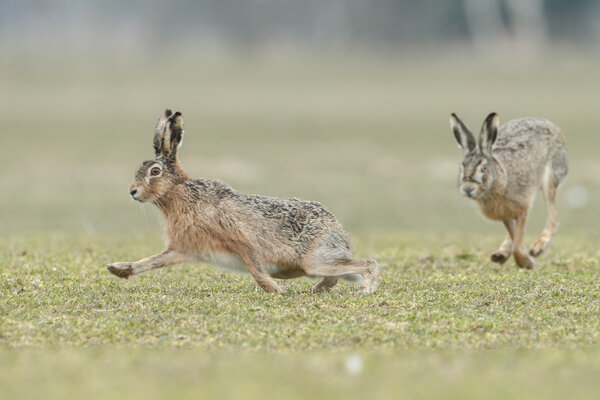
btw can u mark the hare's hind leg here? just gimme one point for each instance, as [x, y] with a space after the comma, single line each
[503, 253]
[126, 269]
[368, 269]
[553, 175]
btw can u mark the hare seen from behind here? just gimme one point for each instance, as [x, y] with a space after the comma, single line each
[504, 171]
[208, 221]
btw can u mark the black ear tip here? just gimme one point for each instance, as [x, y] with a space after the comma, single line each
[174, 116]
[168, 112]
[454, 119]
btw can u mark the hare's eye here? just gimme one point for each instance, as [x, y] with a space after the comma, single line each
[155, 171]
[483, 168]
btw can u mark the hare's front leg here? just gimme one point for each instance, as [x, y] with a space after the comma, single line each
[126, 269]
[262, 278]
[503, 253]
[521, 257]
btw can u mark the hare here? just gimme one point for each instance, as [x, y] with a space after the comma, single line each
[208, 221]
[504, 172]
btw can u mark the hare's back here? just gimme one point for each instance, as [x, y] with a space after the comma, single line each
[300, 223]
[524, 146]
[296, 214]
[529, 132]
[288, 222]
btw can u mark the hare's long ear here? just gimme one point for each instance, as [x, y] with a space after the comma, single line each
[173, 135]
[462, 133]
[169, 134]
[489, 133]
[159, 131]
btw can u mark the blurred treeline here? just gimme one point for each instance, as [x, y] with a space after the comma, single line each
[47, 27]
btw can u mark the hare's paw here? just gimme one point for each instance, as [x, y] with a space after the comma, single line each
[121, 269]
[369, 285]
[499, 257]
[538, 247]
[272, 287]
[524, 261]
[326, 283]
[283, 289]
[370, 279]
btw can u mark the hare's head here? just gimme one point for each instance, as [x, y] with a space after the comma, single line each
[154, 178]
[479, 169]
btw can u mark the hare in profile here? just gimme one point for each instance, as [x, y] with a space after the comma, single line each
[504, 171]
[208, 221]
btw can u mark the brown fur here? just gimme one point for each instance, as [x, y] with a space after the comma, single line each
[208, 221]
[504, 171]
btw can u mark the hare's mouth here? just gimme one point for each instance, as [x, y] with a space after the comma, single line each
[470, 192]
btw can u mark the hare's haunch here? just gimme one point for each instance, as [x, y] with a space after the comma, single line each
[208, 221]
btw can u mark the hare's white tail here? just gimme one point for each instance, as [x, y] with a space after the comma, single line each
[352, 278]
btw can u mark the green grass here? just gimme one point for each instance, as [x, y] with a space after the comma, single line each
[445, 321]
[437, 292]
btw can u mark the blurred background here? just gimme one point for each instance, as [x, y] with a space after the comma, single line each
[345, 102]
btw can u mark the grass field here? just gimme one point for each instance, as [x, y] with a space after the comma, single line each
[445, 322]
[437, 292]
[368, 138]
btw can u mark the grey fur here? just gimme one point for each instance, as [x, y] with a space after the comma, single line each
[504, 172]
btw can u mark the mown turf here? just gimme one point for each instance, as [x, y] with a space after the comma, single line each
[435, 292]
[445, 321]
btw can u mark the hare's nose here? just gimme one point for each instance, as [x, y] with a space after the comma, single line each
[133, 192]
